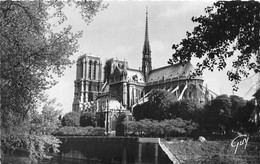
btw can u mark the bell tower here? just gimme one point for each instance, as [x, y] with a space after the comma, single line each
[146, 60]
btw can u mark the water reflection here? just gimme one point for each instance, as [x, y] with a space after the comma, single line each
[109, 150]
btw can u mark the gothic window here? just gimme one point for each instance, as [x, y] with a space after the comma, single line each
[94, 71]
[138, 93]
[81, 69]
[89, 70]
[133, 97]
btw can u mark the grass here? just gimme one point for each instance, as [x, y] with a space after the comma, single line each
[216, 152]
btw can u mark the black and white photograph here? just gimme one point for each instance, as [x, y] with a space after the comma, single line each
[130, 82]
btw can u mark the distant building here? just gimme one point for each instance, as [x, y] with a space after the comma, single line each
[128, 87]
[88, 81]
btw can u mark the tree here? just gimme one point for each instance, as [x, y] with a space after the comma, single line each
[248, 112]
[157, 107]
[255, 116]
[31, 54]
[87, 119]
[218, 114]
[120, 128]
[34, 132]
[228, 28]
[161, 128]
[141, 111]
[237, 110]
[187, 109]
[70, 119]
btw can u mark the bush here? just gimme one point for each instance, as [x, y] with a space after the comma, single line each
[87, 119]
[70, 119]
[173, 127]
[120, 125]
[80, 131]
[187, 109]
[157, 108]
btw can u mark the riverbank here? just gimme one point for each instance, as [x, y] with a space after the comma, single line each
[210, 152]
[177, 151]
[101, 149]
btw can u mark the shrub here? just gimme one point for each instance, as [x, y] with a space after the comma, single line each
[120, 125]
[157, 107]
[166, 128]
[87, 119]
[80, 131]
[70, 119]
[187, 109]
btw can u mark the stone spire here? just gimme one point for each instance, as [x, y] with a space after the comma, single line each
[146, 61]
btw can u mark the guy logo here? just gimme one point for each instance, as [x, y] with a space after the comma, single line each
[240, 141]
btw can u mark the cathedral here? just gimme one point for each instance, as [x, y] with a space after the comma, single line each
[115, 87]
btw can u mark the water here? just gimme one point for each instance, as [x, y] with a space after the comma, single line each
[108, 150]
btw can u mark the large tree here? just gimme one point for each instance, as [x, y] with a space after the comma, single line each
[88, 119]
[157, 107]
[31, 53]
[218, 114]
[71, 119]
[228, 29]
[187, 109]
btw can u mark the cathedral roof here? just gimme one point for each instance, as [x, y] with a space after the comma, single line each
[172, 71]
[135, 75]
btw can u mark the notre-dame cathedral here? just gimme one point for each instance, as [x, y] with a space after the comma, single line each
[115, 86]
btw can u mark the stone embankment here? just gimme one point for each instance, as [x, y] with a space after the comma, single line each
[163, 144]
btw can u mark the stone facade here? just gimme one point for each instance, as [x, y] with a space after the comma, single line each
[130, 86]
[88, 81]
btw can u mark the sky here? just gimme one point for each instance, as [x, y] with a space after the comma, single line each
[118, 31]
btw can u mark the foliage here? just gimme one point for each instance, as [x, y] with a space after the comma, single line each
[32, 53]
[227, 29]
[257, 94]
[218, 114]
[247, 114]
[157, 107]
[100, 119]
[163, 105]
[238, 110]
[255, 116]
[225, 114]
[88, 119]
[141, 111]
[187, 109]
[222, 115]
[120, 125]
[33, 133]
[80, 131]
[167, 128]
[50, 115]
[70, 119]
[237, 103]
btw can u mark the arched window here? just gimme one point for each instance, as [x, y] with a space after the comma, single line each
[81, 68]
[94, 71]
[89, 70]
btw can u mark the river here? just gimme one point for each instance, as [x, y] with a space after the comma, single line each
[101, 150]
